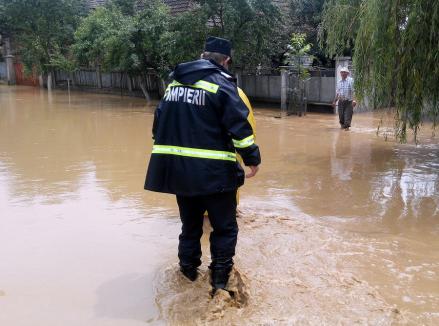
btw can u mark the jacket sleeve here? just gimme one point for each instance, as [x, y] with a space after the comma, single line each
[235, 120]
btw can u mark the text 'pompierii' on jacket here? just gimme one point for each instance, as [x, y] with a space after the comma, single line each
[199, 126]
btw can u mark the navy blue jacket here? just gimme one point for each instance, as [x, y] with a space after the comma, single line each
[199, 126]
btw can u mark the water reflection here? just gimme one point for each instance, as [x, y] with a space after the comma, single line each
[48, 146]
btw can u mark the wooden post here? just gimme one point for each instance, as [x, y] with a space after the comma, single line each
[283, 91]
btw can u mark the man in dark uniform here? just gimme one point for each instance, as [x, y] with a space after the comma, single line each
[199, 127]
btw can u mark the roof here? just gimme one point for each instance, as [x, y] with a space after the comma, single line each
[96, 3]
[283, 5]
[181, 6]
[178, 6]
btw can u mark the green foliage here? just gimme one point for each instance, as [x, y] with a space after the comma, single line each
[5, 24]
[63, 63]
[127, 7]
[186, 36]
[151, 24]
[305, 17]
[251, 25]
[395, 55]
[124, 42]
[297, 52]
[43, 28]
[339, 26]
[91, 34]
[298, 46]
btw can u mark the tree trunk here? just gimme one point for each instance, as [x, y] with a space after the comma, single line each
[144, 90]
[129, 84]
[49, 81]
[41, 80]
[71, 78]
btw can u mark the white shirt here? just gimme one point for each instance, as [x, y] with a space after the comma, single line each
[345, 89]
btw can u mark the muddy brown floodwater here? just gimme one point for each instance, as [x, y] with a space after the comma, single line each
[338, 228]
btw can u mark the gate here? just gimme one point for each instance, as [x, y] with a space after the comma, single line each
[297, 94]
[22, 78]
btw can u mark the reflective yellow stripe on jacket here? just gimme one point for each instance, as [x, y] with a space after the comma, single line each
[243, 143]
[250, 140]
[201, 84]
[194, 152]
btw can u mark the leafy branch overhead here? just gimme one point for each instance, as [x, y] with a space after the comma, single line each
[395, 47]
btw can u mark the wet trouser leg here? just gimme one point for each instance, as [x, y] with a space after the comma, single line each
[348, 112]
[221, 208]
[222, 215]
[189, 246]
[341, 109]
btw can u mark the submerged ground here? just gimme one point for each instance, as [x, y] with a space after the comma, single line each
[337, 228]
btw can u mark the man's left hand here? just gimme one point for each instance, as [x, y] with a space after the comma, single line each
[354, 103]
[253, 170]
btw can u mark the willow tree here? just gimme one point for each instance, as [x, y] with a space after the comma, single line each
[395, 46]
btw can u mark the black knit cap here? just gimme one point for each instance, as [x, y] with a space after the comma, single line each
[219, 45]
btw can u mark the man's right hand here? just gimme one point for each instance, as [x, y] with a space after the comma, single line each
[253, 170]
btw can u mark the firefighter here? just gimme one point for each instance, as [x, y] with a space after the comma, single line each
[199, 126]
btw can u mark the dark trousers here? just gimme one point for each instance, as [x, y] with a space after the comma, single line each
[221, 208]
[345, 112]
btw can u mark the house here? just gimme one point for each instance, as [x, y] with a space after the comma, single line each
[181, 6]
[176, 6]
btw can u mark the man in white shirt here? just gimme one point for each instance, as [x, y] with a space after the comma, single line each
[345, 98]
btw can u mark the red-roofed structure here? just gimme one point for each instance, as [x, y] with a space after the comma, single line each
[181, 6]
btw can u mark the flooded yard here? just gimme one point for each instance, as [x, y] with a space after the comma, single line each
[337, 227]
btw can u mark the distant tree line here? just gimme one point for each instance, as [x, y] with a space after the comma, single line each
[134, 35]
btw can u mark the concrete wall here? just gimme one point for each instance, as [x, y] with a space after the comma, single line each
[266, 88]
[321, 89]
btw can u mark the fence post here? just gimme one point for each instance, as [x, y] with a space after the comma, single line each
[283, 91]
[129, 84]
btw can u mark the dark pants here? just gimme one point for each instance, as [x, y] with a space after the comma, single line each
[345, 111]
[221, 208]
